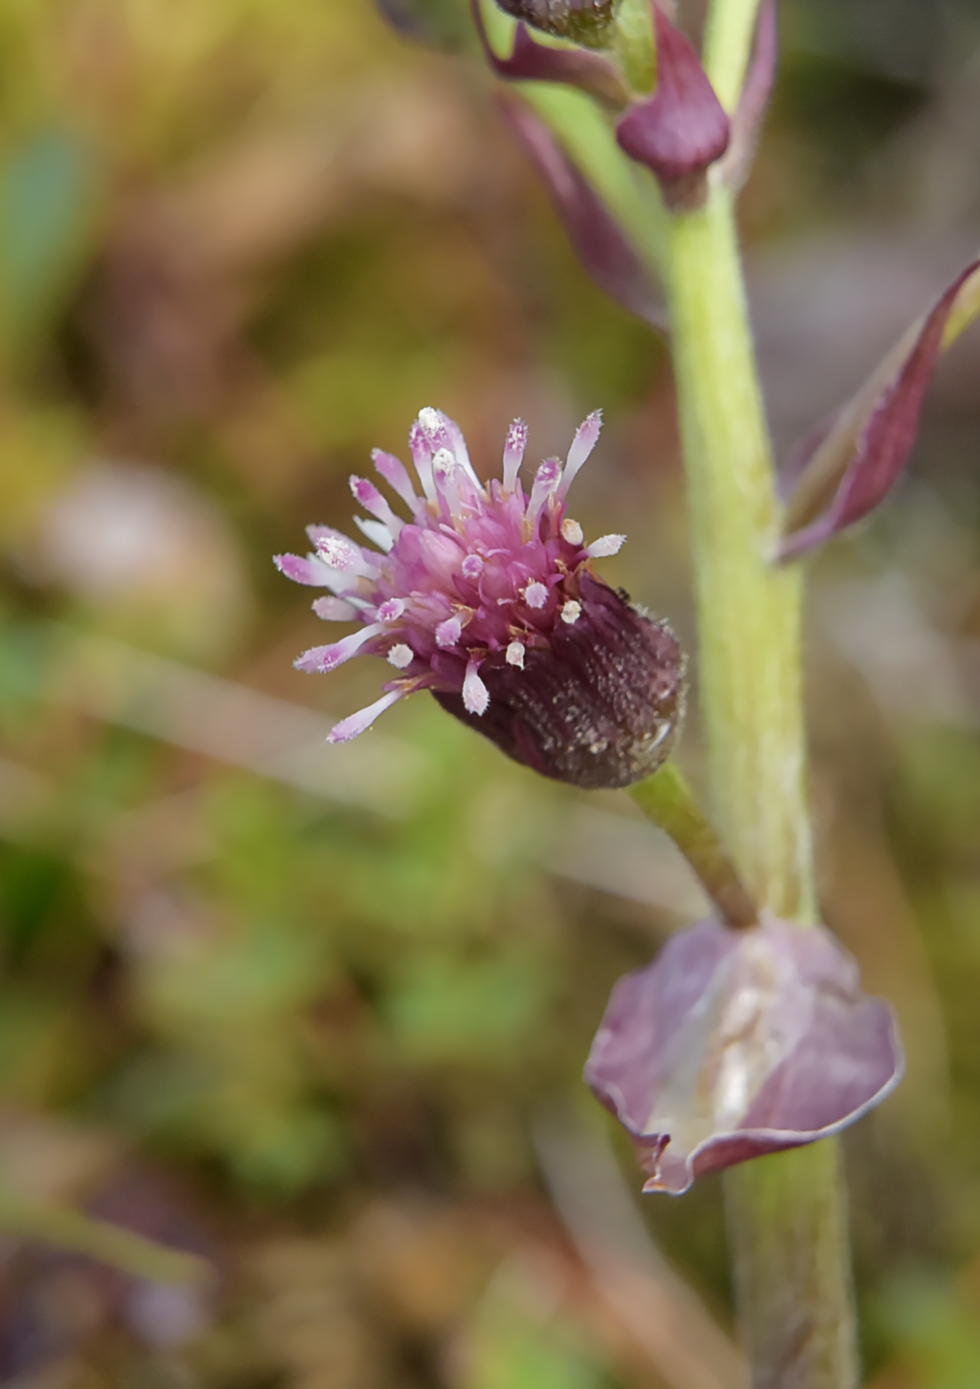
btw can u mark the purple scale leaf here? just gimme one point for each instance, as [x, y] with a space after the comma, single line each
[682, 128]
[733, 1044]
[853, 459]
[595, 235]
[531, 61]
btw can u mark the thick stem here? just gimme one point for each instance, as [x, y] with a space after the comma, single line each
[786, 1214]
[749, 612]
[727, 45]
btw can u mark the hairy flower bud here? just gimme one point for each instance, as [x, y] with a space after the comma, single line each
[600, 707]
[488, 598]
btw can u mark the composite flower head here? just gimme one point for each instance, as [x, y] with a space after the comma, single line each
[486, 595]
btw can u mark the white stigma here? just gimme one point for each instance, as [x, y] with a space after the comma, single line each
[536, 595]
[401, 655]
[515, 655]
[605, 546]
[571, 611]
[572, 531]
[472, 567]
[429, 420]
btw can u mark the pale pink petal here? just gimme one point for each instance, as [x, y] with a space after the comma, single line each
[321, 659]
[395, 473]
[514, 453]
[371, 499]
[546, 482]
[335, 610]
[457, 443]
[584, 442]
[307, 571]
[355, 724]
[422, 452]
[342, 554]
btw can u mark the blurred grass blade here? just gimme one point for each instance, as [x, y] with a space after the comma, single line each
[97, 1239]
[48, 193]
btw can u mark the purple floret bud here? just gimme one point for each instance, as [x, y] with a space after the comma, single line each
[488, 598]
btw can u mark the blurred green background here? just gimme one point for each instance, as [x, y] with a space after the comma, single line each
[319, 1015]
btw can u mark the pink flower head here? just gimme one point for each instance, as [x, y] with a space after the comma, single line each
[487, 597]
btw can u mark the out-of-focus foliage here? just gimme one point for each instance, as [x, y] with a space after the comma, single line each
[300, 1011]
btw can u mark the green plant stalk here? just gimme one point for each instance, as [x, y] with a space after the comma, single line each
[728, 37]
[670, 803]
[635, 44]
[786, 1215]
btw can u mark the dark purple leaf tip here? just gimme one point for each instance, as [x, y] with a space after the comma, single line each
[851, 461]
[733, 1044]
[682, 128]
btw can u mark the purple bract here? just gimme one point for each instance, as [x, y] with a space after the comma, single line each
[487, 597]
[682, 128]
[852, 461]
[733, 1044]
[596, 236]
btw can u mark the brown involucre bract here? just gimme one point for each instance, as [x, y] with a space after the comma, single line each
[601, 708]
[582, 21]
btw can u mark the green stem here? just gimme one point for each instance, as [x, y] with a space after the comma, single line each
[670, 803]
[635, 44]
[727, 45]
[749, 612]
[788, 1229]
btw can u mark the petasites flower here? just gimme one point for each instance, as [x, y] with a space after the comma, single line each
[733, 1044]
[487, 596]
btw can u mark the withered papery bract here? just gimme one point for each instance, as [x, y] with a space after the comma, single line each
[488, 598]
[733, 1044]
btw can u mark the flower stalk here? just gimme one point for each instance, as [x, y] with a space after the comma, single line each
[786, 1212]
[670, 803]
